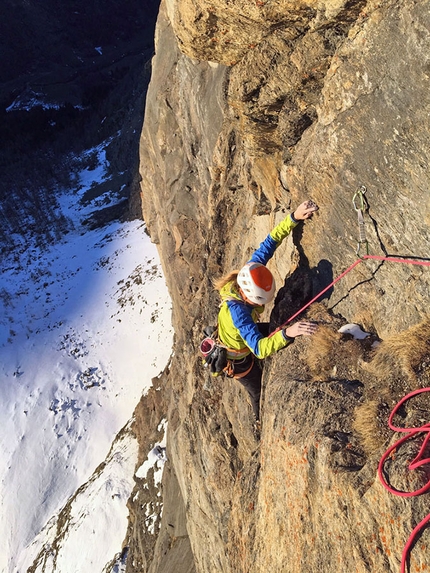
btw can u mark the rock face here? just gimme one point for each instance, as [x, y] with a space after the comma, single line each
[253, 107]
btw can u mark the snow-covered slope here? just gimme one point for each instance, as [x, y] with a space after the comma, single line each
[85, 534]
[85, 326]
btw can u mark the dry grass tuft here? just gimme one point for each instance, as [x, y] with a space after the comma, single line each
[370, 425]
[321, 356]
[319, 313]
[402, 354]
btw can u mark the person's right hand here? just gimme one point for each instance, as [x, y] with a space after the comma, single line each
[305, 210]
[302, 328]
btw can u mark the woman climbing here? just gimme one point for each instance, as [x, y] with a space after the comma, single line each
[244, 294]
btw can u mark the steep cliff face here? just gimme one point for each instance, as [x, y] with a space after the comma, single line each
[252, 108]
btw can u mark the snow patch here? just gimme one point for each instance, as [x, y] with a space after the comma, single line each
[156, 458]
[354, 330]
[83, 536]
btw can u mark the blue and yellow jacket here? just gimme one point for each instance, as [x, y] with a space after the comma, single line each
[237, 327]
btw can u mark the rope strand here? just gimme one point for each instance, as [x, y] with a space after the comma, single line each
[410, 432]
[358, 261]
[417, 462]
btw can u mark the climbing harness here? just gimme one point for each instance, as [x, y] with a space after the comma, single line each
[229, 369]
[217, 356]
[360, 204]
[417, 462]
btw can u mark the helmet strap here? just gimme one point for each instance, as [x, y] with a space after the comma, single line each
[245, 299]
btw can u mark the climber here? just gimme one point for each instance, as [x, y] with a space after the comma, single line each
[244, 294]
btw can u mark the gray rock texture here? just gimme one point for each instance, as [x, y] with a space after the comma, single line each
[254, 107]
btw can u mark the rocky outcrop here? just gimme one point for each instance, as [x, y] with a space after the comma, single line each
[253, 108]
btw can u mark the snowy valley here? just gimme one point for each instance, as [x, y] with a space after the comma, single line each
[85, 327]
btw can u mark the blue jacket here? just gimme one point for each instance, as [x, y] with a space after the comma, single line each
[237, 320]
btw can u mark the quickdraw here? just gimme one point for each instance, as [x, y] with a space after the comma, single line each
[360, 204]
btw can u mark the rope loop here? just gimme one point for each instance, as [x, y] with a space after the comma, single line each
[417, 462]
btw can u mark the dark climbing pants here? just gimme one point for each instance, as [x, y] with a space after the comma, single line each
[252, 381]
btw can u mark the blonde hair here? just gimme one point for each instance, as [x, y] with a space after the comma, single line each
[222, 281]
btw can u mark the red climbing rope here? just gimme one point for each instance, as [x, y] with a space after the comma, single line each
[358, 261]
[417, 462]
[391, 259]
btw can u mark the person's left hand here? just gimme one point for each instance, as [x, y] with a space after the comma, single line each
[302, 328]
[305, 210]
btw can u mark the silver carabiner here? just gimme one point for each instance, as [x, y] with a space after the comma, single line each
[359, 196]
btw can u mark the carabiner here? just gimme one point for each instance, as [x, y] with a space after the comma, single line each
[359, 246]
[361, 191]
[359, 197]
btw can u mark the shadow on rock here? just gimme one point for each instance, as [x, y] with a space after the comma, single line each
[322, 276]
[299, 289]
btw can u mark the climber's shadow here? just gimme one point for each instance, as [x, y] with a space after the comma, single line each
[295, 293]
[301, 286]
[322, 276]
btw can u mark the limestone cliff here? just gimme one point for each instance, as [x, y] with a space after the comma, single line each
[252, 108]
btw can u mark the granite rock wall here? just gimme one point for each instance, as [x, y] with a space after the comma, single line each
[254, 107]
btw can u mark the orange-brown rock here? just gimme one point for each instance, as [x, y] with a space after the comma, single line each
[254, 107]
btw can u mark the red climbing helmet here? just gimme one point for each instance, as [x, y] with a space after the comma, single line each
[257, 283]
